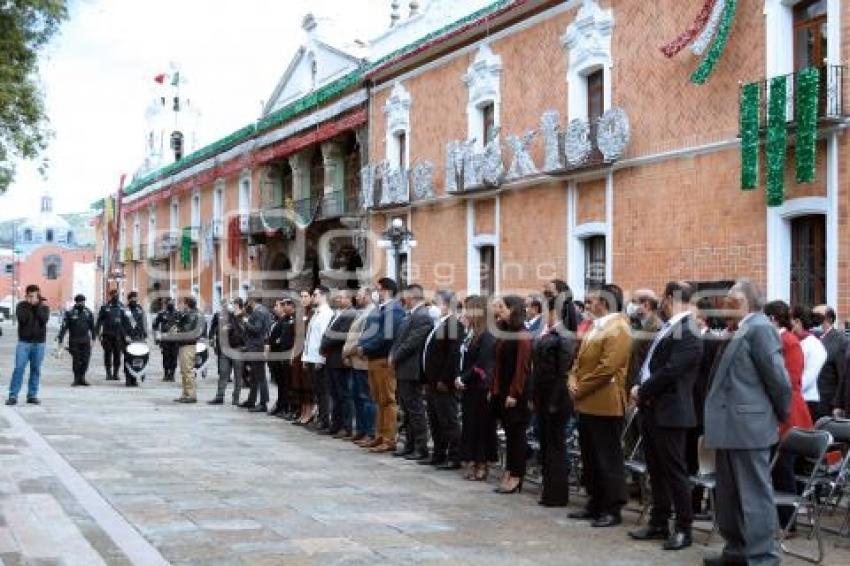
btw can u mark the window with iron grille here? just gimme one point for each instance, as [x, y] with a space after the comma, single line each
[808, 260]
[594, 261]
[487, 265]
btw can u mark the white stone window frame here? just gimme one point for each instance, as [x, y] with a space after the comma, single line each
[587, 42]
[478, 241]
[397, 112]
[196, 209]
[137, 235]
[779, 60]
[174, 216]
[151, 229]
[405, 249]
[245, 192]
[218, 200]
[483, 81]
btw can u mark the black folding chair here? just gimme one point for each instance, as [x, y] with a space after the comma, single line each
[635, 462]
[811, 445]
[706, 478]
[835, 482]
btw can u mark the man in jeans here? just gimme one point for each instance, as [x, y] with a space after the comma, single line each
[32, 314]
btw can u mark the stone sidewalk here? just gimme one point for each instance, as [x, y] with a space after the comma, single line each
[109, 475]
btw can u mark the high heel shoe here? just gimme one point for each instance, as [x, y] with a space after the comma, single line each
[515, 489]
[481, 473]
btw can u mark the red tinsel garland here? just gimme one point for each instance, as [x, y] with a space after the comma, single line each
[671, 48]
[234, 240]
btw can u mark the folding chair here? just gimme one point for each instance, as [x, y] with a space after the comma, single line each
[837, 481]
[706, 478]
[812, 445]
[635, 463]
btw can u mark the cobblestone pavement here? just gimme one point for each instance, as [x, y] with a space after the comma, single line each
[109, 475]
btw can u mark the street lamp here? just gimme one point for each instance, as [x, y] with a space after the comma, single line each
[396, 237]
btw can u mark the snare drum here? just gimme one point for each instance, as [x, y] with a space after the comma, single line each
[136, 359]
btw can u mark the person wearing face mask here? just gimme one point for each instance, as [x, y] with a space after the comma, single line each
[645, 321]
[832, 373]
[79, 325]
[814, 358]
[110, 328]
[165, 322]
[135, 330]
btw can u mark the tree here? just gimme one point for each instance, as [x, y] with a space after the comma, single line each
[25, 27]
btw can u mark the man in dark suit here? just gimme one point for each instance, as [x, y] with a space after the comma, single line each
[749, 396]
[832, 373]
[342, 404]
[406, 359]
[441, 365]
[664, 394]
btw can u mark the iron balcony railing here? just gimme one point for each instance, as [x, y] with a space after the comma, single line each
[831, 104]
[330, 205]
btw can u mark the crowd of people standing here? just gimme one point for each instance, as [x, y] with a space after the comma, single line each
[727, 372]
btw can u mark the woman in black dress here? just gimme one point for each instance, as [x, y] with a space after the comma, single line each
[554, 351]
[478, 442]
[508, 395]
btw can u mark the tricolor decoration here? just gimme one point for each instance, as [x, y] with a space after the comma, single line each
[673, 47]
[806, 108]
[777, 139]
[702, 42]
[712, 25]
[749, 124]
[186, 247]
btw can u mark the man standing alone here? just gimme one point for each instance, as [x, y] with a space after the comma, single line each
[190, 327]
[32, 314]
[79, 324]
[749, 397]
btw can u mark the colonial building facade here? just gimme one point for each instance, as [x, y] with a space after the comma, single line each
[523, 140]
[657, 192]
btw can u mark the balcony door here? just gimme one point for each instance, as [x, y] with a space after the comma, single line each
[808, 260]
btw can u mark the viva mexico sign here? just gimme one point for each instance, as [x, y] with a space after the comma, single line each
[468, 167]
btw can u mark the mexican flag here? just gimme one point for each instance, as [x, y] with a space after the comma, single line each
[161, 78]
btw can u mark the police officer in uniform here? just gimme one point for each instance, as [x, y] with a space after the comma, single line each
[134, 329]
[79, 324]
[165, 322]
[110, 329]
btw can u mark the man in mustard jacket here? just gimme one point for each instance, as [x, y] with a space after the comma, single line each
[597, 384]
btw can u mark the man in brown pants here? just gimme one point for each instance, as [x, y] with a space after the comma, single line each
[190, 326]
[375, 343]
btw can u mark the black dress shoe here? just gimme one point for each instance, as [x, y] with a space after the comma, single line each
[215, 401]
[431, 462]
[583, 515]
[650, 532]
[722, 560]
[33, 401]
[449, 465]
[85, 384]
[418, 456]
[403, 452]
[246, 405]
[544, 503]
[11, 401]
[258, 409]
[607, 520]
[677, 541]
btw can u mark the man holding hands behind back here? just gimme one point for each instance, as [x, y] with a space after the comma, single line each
[749, 397]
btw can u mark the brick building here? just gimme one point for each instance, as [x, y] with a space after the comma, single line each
[521, 140]
[670, 205]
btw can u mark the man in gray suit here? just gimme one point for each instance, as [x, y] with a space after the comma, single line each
[406, 358]
[749, 396]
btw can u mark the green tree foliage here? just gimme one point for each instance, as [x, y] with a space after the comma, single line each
[25, 27]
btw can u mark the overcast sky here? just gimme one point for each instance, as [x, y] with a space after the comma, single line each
[98, 73]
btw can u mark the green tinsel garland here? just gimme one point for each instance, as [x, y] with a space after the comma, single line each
[777, 135]
[707, 65]
[806, 106]
[186, 247]
[749, 124]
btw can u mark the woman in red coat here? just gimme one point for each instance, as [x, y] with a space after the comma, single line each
[798, 413]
